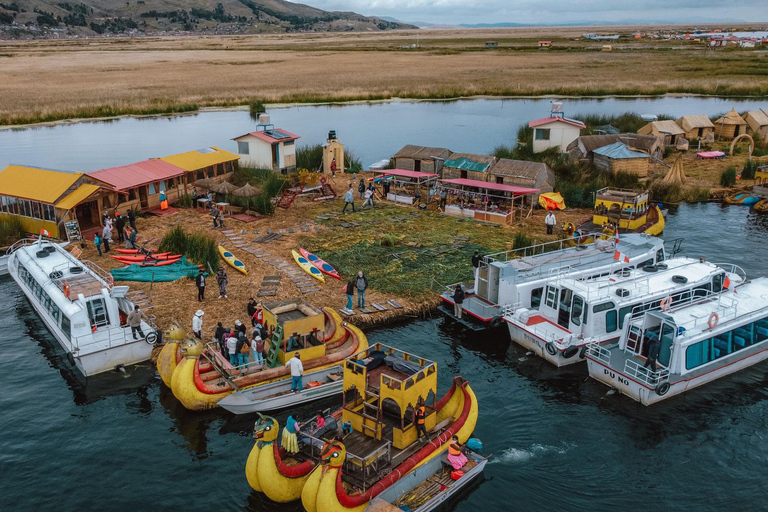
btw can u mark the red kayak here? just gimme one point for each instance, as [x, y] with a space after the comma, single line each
[321, 265]
[154, 257]
[136, 251]
[151, 263]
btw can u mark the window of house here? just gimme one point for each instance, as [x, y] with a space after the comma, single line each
[201, 174]
[542, 133]
[242, 148]
[132, 194]
[151, 188]
[50, 212]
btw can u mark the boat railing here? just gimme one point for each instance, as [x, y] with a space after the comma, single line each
[29, 241]
[361, 468]
[732, 268]
[113, 336]
[509, 309]
[599, 352]
[214, 356]
[635, 370]
[530, 250]
[99, 272]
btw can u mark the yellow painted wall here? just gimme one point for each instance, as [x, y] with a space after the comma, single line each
[333, 149]
[34, 226]
[306, 353]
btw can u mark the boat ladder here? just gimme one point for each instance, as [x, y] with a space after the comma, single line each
[371, 403]
[277, 337]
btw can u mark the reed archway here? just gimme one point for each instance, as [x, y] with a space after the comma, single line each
[743, 136]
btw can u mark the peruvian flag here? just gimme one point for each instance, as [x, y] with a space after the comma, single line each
[619, 256]
[44, 232]
[729, 285]
[617, 237]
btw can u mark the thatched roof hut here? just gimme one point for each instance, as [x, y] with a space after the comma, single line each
[523, 173]
[730, 126]
[617, 157]
[696, 127]
[583, 147]
[666, 130]
[421, 158]
[468, 165]
[757, 121]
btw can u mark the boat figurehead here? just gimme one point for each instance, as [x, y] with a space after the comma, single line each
[191, 349]
[334, 453]
[266, 429]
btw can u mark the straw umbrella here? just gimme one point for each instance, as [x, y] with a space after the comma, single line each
[248, 191]
[204, 183]
[224, 187]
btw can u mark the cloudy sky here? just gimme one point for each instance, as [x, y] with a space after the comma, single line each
[555, 11]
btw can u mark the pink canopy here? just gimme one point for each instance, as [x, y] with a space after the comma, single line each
[466, 182]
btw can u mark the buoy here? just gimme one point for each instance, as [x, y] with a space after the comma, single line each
[666, 302]
[65, 289]
[713, 319]
[151, 338]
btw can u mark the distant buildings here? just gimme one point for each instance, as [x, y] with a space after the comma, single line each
[268, 148]
[554, 131]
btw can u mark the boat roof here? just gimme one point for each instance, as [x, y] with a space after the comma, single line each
[745, 300]
[639, 282]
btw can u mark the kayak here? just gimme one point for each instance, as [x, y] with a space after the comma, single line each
[155, 257]
[232, 261]
[307, 267]
[150, 263]
[135, 251]
[320, 264]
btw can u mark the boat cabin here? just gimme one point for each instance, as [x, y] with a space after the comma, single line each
[298, 319]
[625, 209]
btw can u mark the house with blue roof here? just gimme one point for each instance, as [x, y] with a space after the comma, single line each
[618, 157]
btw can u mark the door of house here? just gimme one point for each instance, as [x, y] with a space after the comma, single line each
[275, 156]
[87, 215]
[143, 198]
[417, 165]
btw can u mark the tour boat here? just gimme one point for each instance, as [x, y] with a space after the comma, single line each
[80, 305]
[619, 210]
[4, 264]
[576, 312]
[518, 276]
[702, 339]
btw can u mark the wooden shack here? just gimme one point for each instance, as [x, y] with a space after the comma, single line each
[757, 123]
[696, 127]
[668, 131]
[730, 126]
[583, 148]
[212, 163]
[421, 158]
[468, 165]
[523, 173]
[140, 184]
[617, 157]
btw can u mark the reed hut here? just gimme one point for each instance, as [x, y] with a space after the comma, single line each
[523, 173]
[421, 158]
[730, 126]
[468, 165]
[757, 122]
[617, 157]
[668, 131]
[696, 127]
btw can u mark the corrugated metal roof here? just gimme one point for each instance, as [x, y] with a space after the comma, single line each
[617, 150]
[126, 177]
[200, 158]
[82, 193]
[36, 184]
[466, 182]
[466, 164]
[556, 119]
[272, 136]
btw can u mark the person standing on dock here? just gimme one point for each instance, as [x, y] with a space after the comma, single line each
[349, 290]
[200, 282]
[550, 220]
[361, 283]
[197, 324]
[419, 419]
[654, 347]
[97, 242]
[134, 320]
[120, 226]
[297, 370]
[222, 280]
[458, 300]
[349, 199]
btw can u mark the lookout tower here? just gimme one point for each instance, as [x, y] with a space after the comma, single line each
[333, 149]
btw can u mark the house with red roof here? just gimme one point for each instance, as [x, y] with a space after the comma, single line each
[140, 184]
[268, 148]
[555, 131]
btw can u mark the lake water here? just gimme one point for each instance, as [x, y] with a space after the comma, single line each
[372, 131]
[122, 442]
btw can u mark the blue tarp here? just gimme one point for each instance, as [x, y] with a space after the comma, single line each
[136, 272]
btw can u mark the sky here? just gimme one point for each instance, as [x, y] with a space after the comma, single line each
[550, 12]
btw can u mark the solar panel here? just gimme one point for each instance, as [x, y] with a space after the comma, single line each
[206, 151]
[277, 134]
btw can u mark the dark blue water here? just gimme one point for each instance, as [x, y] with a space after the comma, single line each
[122, 442]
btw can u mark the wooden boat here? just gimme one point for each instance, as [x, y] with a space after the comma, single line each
[155, 257]
[232, 261]
[202, 377]
[761, 206]
[743, 198]
[320, 264]
[278, 395]
[307, 267]
[383, 445]
[619, 210]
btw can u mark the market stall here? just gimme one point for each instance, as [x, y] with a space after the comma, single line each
[489, 202]
[404, 186]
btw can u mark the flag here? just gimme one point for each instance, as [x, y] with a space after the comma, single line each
[617, 237]
[44, 232]
[619, 256]
[729, 285]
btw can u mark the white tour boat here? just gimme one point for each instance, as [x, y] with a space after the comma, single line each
[575, 312]
[518, 276]
[702, 339]
[80, 305]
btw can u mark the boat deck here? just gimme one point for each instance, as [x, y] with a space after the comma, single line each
[85, 284]
[374, 376]
[546, 329]
[475, 306]
[432, 486]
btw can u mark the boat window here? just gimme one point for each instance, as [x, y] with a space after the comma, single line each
[667, 337]
[97, 312]
[551, 298]
[702, 291]
[717, 283]
[65, 326]
[610, 321]
[576, 309]
[536, 297]
[659, 255]
[602, 307]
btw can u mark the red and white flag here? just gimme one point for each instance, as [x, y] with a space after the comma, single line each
[617, 236]
[44, 232]
[620, 256]
[729, 285]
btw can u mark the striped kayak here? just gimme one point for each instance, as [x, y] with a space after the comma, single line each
[232, 261]
[136, 251]
[141, 258]
[149, 263]
[307, 267]
[320, 264]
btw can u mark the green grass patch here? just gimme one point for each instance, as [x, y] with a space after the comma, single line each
[11, 230]
[97, 111]
[197, 247]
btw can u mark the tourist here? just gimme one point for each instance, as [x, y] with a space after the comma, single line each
[419, 419]
[219, 332]
[108, 226]
[476, 260]
[361, 187]
[239, 327]
[132, 239]
[297, 370]
[361, 283]
[163, 200]
[106, 236]
[132, 219]
[432, 193]
[197, 324]
[458, 300]
[251, 310]
[257, 347]
[368, 198]
[200, 282]
[194, 197]
[333, 167]
[349, 290]
[120, 226]
[417, 196]
[654, 347]
[349, 199]
[258, 316]
[550, 220]
[243, 348]
[293, 342]
[386, 185]
[455, 456]
[215, 214]
[128, 238]
[134, 320]
[289, 441]
[221, 279]
[232, 349]
[97, 242]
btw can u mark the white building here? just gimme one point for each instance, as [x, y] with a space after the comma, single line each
[271, 148]
[555, 131]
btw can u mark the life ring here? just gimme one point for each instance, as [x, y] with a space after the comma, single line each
[496, 322]
[713, 319]
[151, 338]
[666, 302]
[622, 292]
[570, 351]
[550, 348]
[679, 279]
[71, 358]
[65, 289]
[583, 351]
[662, 388]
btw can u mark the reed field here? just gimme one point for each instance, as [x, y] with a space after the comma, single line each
[50, 80]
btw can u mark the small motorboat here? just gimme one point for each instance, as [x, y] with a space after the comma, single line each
[232, 261]
[320, 264]
[743, 198]
[278, 395]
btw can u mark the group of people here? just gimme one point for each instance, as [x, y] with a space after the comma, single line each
[366, 194]
[222, 279]
[125, 227]
[359, 283]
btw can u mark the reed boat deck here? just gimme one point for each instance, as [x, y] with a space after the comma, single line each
[432, 486]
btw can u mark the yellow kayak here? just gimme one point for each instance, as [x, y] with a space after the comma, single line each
[232, 261]
[308, 267]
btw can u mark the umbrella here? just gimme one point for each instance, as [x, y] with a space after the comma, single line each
[224, 187]
[204, 183]
[247, 190]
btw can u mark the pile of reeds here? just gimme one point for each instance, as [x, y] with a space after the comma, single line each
[197, 247]
[11, 230]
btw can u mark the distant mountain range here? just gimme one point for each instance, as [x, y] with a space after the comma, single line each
[578, 23]
[40, 18]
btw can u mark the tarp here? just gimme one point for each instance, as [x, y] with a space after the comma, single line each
[552, 201]
[487, 185]
[171, 272]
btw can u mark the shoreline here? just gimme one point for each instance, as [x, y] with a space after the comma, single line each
[375, 101]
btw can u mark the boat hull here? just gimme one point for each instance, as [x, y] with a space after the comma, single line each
[538, 346]
[4, 265]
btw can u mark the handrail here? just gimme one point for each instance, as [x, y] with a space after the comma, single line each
[644, 374]
[732, 268]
